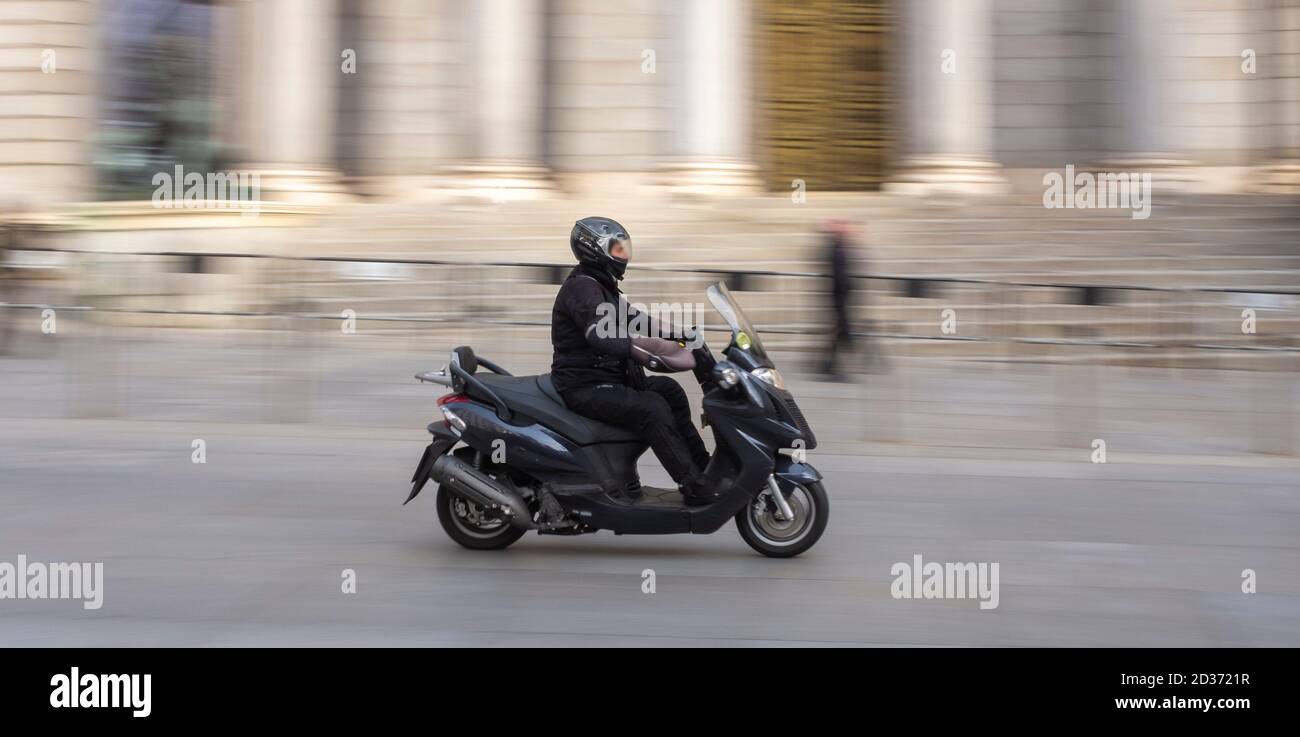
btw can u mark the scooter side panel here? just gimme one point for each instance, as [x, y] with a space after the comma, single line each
[544, 454]
[529, 447]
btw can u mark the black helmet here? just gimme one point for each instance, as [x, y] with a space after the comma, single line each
[594, 242]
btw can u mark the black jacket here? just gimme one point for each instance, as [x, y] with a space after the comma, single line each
[585, 352]
[837, 260]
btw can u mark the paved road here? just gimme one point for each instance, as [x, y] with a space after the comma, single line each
[249, 547]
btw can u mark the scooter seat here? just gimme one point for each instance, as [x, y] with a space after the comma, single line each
[535, 396]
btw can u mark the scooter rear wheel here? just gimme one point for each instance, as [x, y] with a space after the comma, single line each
[760, 526]
[469, 525]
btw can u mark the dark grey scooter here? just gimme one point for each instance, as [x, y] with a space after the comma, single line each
[529, 463]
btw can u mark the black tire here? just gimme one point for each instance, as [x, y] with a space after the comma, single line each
[811, 508]
[496, 534]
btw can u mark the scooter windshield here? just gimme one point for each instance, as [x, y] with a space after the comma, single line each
[743, 334]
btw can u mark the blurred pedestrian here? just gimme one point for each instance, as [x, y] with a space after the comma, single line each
[838, 259]
[8, 243]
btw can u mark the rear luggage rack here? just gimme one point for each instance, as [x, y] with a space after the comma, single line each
[459, 374]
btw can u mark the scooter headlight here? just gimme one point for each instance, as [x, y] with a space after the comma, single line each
[770, 375]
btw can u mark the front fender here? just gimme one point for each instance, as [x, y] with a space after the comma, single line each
[790, 473]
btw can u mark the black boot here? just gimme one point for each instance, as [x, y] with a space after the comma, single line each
[697, 491]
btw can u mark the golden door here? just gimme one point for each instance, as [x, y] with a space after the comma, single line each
[824, 110]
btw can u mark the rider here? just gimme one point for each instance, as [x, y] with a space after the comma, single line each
[598, 370]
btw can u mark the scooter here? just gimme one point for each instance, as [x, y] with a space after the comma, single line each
[509, 456]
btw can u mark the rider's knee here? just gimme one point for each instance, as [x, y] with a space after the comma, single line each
[669, 389]
[657, 412]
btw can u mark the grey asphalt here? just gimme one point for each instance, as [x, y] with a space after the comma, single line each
[249, 548]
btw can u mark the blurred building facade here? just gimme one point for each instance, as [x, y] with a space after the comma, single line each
[538, 96]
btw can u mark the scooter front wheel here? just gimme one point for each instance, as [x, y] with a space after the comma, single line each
[766, 530]
[471, 526]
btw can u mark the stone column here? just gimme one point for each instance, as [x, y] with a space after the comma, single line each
[404, 114]
[506, 83]
[948, 130]
[715, 139]
[53, 75]
[1279, 63]
[290, 98]
[1143, 141]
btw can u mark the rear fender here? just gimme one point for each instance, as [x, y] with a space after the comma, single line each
[443, 440]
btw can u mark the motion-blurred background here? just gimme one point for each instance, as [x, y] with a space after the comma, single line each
[419, 164]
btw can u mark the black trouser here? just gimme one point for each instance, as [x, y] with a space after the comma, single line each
[841, 336]
[661, 415]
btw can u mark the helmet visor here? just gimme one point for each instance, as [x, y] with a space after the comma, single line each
[619, 248]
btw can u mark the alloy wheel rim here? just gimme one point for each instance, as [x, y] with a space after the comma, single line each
[473, 520]
[777, 532]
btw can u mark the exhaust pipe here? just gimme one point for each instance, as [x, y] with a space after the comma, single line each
[478, 487]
